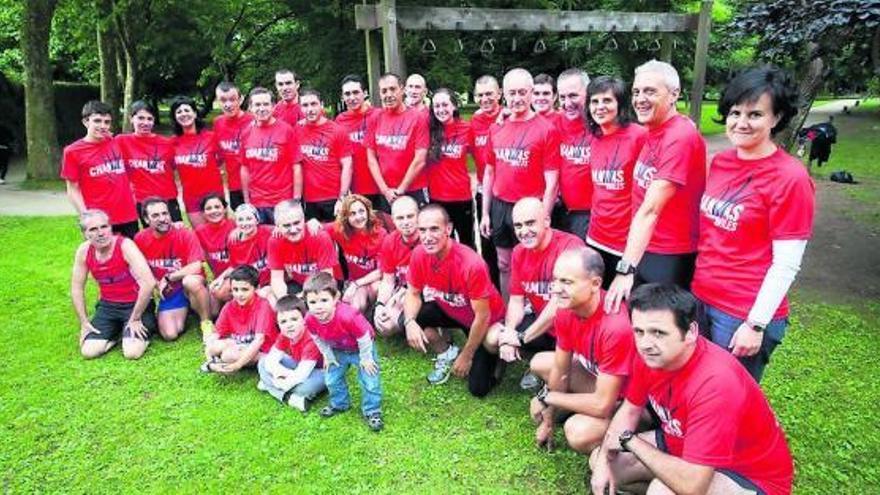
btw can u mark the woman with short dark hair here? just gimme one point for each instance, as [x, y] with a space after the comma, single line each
[756, 216]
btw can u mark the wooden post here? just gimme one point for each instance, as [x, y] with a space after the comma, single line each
[666, 48]
[374, 64]
[390, 40]
[700, 54]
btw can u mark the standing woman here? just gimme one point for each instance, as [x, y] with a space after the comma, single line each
[449, 183]
[359, 233]
[213, 236]
[756, 216]
[195, 156]
[248, 244]
[149, 161]
[616, 143]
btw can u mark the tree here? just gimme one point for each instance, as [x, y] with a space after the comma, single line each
[43, 152]
[819, 38]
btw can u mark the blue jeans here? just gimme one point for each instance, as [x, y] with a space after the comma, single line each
[309, 389]
[371, 387]
[722, 326]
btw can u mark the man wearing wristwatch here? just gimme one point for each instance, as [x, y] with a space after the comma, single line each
[717, 432]
[588, 371]
[175, 256]
[531, 273]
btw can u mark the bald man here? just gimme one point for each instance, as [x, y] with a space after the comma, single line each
[528, 322]
[416, 90]
[394, 257]
[587, 373]
[524, 163]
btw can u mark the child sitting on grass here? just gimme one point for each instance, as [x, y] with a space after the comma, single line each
[345, 339]
[291, 372]
[245, 328]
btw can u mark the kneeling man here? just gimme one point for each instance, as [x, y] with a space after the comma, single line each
[125, 285]
[394, 263]
[587, 373]
[717, 432]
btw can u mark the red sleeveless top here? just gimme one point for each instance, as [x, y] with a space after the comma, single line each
[115, 281]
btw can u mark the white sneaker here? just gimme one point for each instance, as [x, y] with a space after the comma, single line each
[298, 402]
[261, 386]
[442, 366]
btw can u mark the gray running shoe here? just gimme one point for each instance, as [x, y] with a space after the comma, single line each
[443, 366]
[530, 381]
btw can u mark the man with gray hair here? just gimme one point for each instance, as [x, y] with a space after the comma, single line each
[524, 163]
[125, 287]
[575, 180]
[670, 175]
[298, 252]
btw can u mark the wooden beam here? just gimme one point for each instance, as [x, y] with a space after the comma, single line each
[560, 21]
[390, 41]
[700, 54]
[374, 63]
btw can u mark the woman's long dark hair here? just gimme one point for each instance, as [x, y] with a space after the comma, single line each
[437, 127]
[617, 88]
[178, 102]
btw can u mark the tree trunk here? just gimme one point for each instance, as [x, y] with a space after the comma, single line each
[44, 154]
[131, 82]
[810, 83]
[875, 51]
[111, 88]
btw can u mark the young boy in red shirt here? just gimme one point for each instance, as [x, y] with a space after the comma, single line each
[345, 339]
[292, 371]
[245, 329]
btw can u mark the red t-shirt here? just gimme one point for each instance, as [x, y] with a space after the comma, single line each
[322, 147]
[481, 123]
[575, 184]
[252, 251]
[170, 252]
[114, 278]
[343, 330]
[612, 159]
[448, 177]
[310, 255]
[269, 152]
[291, 113]
[747, 205]
[195, 156]
[361, 250]
[242, 323]
[674, 151]
[394, 256]
[712, 412]
[521, 152]
[453, 281]
[213, 238]
[99, 170]
[355, 125]
[228, 131]
[531, 270]
[395, 136]
[303, 349]
[148, 161]
[601, 343]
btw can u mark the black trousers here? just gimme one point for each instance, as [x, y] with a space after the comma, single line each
[487, 249]
[675, 269]
[462, 215]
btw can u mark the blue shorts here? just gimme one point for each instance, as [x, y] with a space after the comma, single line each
[176, 300]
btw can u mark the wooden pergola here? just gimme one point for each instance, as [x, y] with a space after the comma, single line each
[386, 17]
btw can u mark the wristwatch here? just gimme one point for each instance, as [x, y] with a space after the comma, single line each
[624, 439]
[521, 337]
[757, 327]
[625, 267]
[542, 396]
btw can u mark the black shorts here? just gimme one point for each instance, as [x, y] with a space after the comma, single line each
[266, 214]
[322, 210]
[420, 195]
[431, 315]
[501, 218]
[576, 222]
[110, 319]
[236, 199]
[545, 342]
[675, 269]
[127, 229]
[293, 288]
[173, 210]
[610, 260]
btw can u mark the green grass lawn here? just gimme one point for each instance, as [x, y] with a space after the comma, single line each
[157, 425]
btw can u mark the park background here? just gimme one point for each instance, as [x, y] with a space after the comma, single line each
[158, 426]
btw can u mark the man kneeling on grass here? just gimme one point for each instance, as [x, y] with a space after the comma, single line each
[717, 434]
[345, 339]
[245, 329]
[292, 371]
[587, 372]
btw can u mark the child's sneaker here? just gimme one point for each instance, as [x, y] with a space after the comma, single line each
[442, 366]
[329, 411]
[206, 366]
[261, 386]
[207, 327]
[374, 421]
[299, 402]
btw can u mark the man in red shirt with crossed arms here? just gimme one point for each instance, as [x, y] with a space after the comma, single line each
[717, 431]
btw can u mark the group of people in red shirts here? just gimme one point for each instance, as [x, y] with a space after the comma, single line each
[646, 289]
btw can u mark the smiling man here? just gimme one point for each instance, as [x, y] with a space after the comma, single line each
[449, 287]
[575, 182]
[717, 431]
[669, 178]
[358, 111]
[287, 108]
[416, 90]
